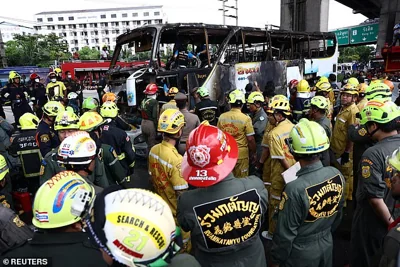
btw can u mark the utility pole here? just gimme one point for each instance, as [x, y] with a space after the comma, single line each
[225, 9]
[3, 59]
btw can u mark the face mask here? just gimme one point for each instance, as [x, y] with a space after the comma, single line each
[53, 80]
[37, 80]
[69, 76]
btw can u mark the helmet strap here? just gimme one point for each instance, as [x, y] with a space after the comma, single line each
[374, 131]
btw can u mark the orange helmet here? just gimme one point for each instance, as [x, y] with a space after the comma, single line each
[390, 84]
[151, 89]
[210, 156]
[109, 97]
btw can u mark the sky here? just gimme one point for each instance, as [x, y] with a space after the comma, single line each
[256, 13]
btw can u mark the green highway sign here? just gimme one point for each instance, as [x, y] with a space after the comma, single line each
[342, 37]
[364, 34]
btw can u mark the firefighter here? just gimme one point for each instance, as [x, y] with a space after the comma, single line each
[55, 89]
[69, 83]
[121, 123]
[38, 94]
[303, 235]
[303, 94]
[117, 138]
[24, 147]
[281, 159]
[259, 118]
[375, 205]
[342, 146]
[165, 161]
[149, 110]
[58, 73]
[46, 137]
[17, 94]
[172, 103]
[206, 109]
[90, 104]
[325, 89]
[241, 128]
[220, 238]
[60, 229]
[91, 122]
[361, 100]
[73, 103]
[78, 153]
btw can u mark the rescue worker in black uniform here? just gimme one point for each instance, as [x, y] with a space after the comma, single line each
[206, 109]
[72, 86]
[38, 94]
[17, 94]
[121, 123]
[60, 235]
[46, 137]
[25, 147]
[117, 138]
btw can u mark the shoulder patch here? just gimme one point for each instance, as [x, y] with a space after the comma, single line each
[106, 127]
[5, 204]
[41, 170]
[365, 171]
[127, 138]
[112, 150]
[362, 132]
[18, 222]
[283, 200]
[44, 138]
[365, 160]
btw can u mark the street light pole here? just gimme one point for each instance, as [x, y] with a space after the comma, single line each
[237, 13]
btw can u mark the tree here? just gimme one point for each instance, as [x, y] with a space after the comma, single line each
[37, 50]
[87, 53]
[361, 54]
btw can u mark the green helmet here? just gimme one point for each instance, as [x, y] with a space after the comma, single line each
[379, 111]
[52, 108]
[320, 102]
[202, 91]
[90, 104]
[308, 137]
[66, 120]
[378, 91]
[394, 160]
[109, 110]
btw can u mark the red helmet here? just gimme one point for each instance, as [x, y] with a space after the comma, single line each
[210, 156]
[293, 83]
[151, 89]
[33, 76]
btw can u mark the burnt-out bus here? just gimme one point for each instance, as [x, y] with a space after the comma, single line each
[222, 58]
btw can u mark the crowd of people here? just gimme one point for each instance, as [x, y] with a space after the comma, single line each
[268, 169]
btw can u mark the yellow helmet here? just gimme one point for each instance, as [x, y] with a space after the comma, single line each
[173, 91]
[350, 89]
[3, 167]
[303, 87]
[13, 75]
[279, 103]
[57, 71]
[323, 79]
[237, 96]
[255, 97]
[353, 81]
[320, 102]
[53, 202]
[323, 87]
[28, 121]
[52, 108]
[90, 121]
[109, 110]
[171, 121]
[308, 137]
[66, 120]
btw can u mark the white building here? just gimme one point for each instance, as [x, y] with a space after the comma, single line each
[9, 28]
[96, 27]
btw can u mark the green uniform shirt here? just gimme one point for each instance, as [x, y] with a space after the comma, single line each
[51, 167]
[310, 209]
[115, 172]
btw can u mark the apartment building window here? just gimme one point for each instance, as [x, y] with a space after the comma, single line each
[107, 32]
[114, 39]
[146, 14]
[149, 22]
[103, 32]
[113, 16]
[113, 31]
[38, 28]
[116, 23]
[70, 18]
[117, 31]
[39, 20]
[157, 13]
[96, 33]
[72, 26]
[49, 19]
[134, 14]
[49, 27]
[72, 42]
[125, 15]
[60, 18]
[92, 41]
[102, 16]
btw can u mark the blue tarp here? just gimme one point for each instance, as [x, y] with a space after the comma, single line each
[22, 70]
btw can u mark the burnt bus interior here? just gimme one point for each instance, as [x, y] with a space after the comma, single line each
[154, 46]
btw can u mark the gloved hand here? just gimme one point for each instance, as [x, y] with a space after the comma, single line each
[345, 158]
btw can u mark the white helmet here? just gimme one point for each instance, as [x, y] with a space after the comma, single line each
[72, 95]
[138, 226]
[78, 149]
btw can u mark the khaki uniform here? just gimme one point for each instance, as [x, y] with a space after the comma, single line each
[267, 163]
[166, 176]
[191, 122]
[239, 126]
[169, 105]
[345, 118]
[278, 150]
